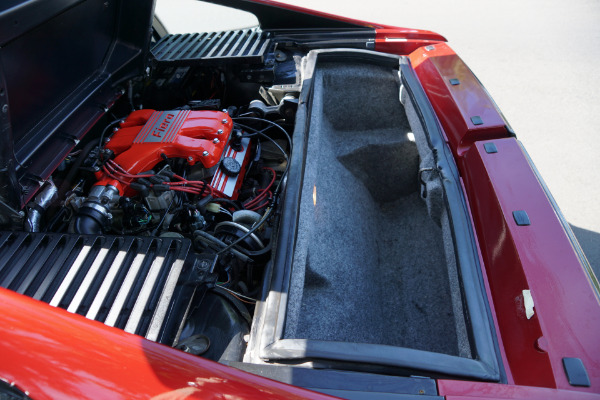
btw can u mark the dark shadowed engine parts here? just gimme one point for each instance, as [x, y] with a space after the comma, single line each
[161, 223]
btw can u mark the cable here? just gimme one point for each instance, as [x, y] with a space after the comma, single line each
[273, 124]
[157, 229]
[114, 177]
[74, 169]
[261, 133]
[266, 215]
[263, 192]
[195, 187]
[269, 209]
[228, 202]
[238, 295]
[109, 126]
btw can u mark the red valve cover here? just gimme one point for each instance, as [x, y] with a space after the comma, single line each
[198, 136]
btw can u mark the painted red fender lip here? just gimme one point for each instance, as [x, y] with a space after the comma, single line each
[53, 354]
[462, 390]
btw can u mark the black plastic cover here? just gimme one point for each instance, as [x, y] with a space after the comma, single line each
[521, 218]
[576, 372]
[61, 63]
[371, 386]
[96, 276]
[490, 148]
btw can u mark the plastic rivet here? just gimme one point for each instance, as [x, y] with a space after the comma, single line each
[476, 120]
[521, 218]
[490, 148]
[576, 373]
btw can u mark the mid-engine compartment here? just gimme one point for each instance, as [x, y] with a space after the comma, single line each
[243, 211]
[161, 220]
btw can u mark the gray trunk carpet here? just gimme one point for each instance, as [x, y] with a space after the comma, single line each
[369, 263]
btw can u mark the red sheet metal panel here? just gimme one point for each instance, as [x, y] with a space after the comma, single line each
[458, 390]
[53, 354]
[540, 258]
[463, 106]
[404, 41]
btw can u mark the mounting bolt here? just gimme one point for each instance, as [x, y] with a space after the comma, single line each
[190, 158]
[219, 131]
[215, 140]
[224, 121]
[205, 153]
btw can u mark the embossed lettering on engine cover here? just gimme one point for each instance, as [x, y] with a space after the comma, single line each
[162, 127]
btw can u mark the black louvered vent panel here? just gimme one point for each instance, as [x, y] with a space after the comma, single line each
[133, 283]
[248, 45]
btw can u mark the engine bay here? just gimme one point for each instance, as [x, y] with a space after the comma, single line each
[244, 197]
[181, 172]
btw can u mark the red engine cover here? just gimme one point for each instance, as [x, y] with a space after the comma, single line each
[198, 136]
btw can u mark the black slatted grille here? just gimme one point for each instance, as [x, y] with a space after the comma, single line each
[248, 45]
[126, 282]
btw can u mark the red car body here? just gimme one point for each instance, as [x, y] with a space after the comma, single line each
[49, 353]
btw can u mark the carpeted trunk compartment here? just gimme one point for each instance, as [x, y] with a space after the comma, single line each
[373, 261]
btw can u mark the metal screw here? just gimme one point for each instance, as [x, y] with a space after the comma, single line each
[224, 121]
[219, 131]
[5, 108]
[215, 141]
[205, 153]
[190, 158]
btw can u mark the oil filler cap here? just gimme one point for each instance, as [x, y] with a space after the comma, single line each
[230, 166]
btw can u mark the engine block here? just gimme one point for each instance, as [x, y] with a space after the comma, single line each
[147, 137]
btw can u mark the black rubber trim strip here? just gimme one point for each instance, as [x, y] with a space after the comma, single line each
[479, 312]
[333, 379]
[358, 395]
